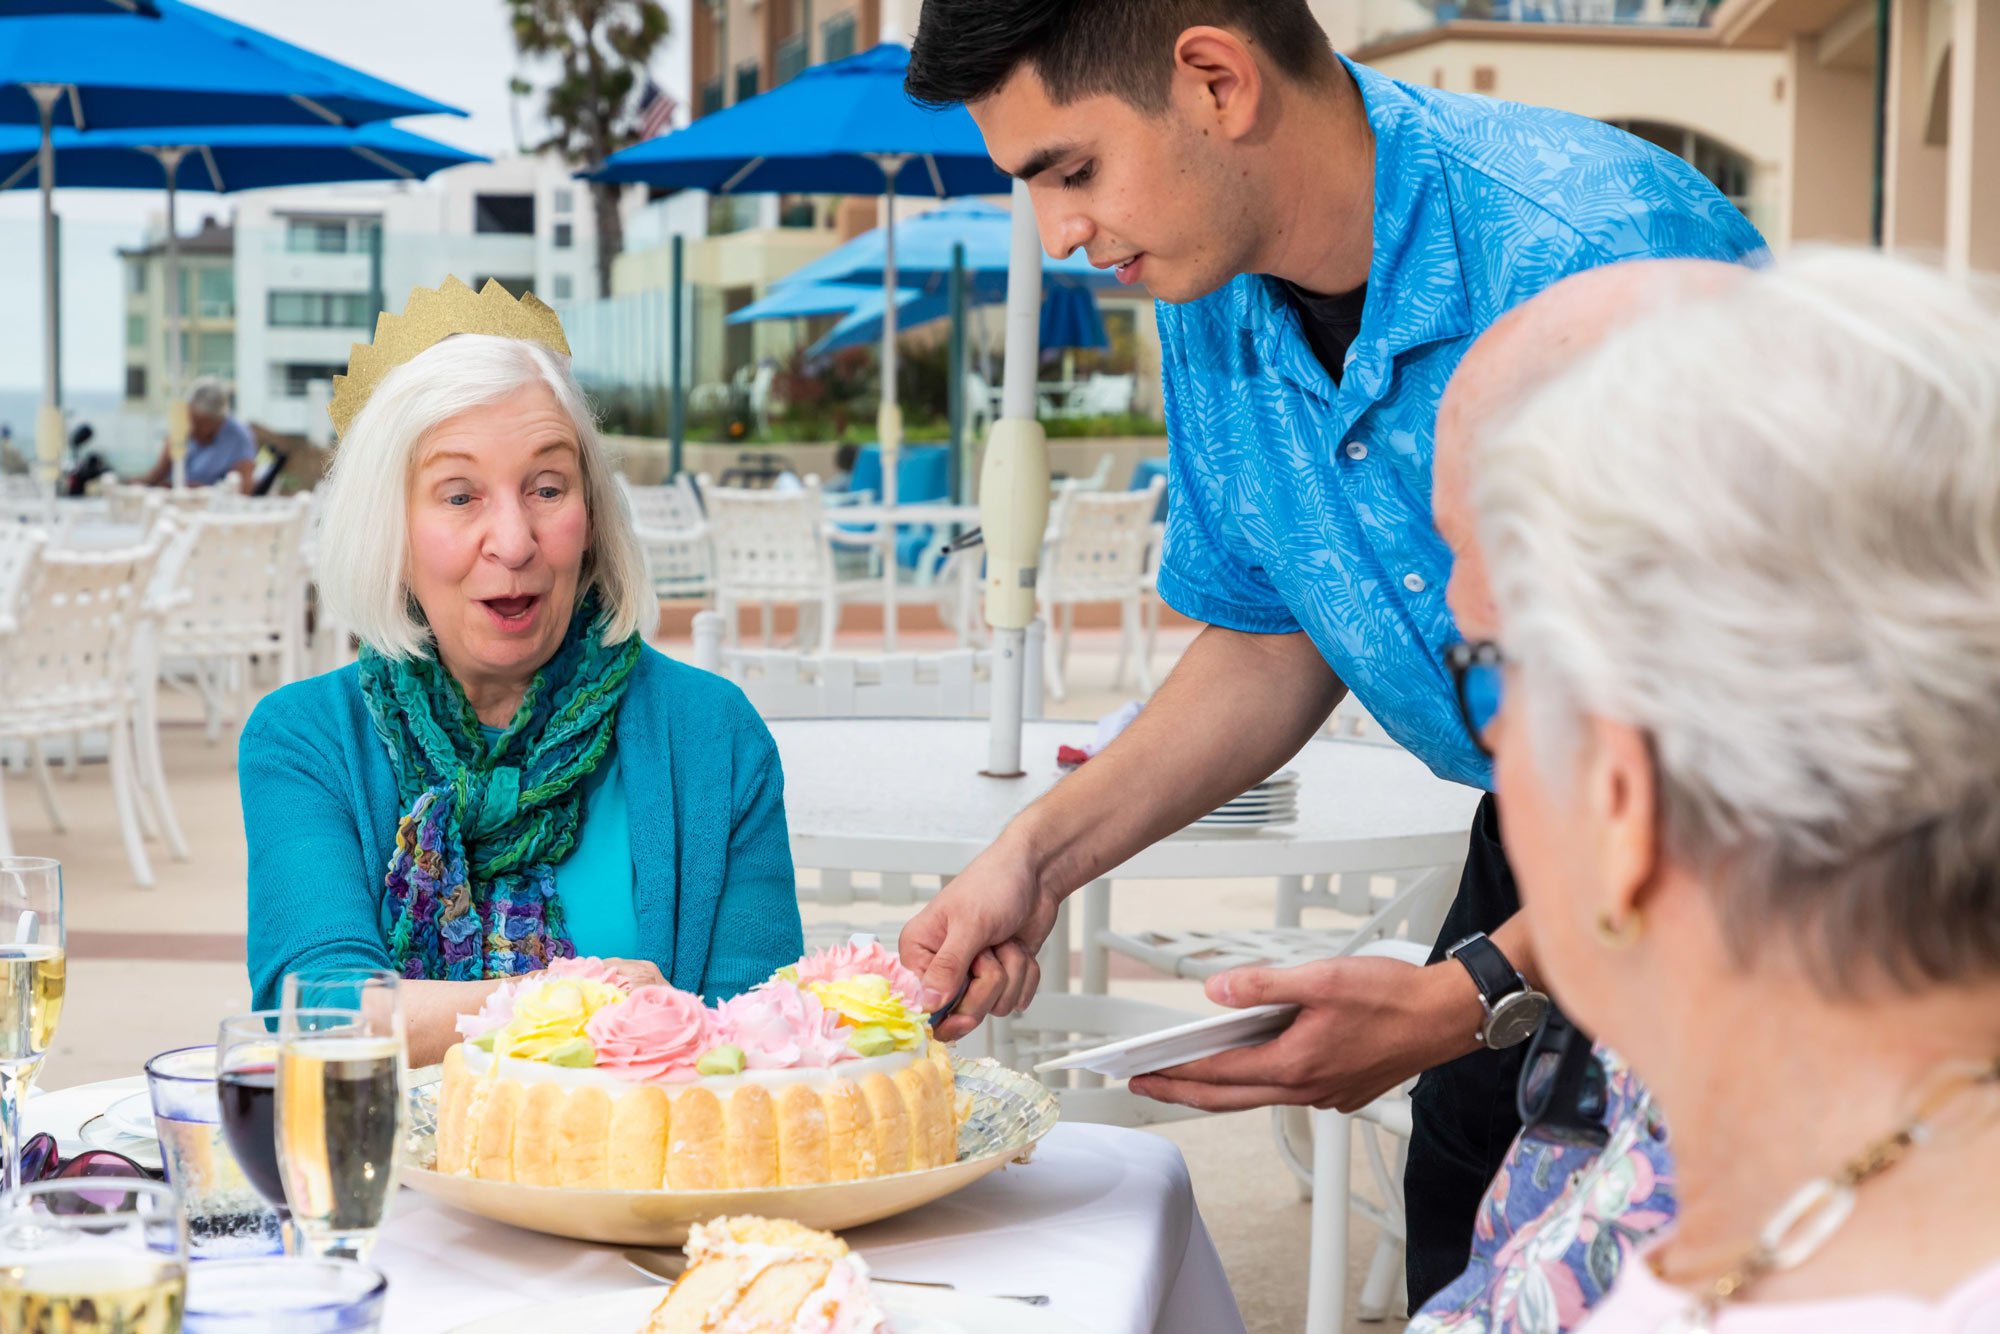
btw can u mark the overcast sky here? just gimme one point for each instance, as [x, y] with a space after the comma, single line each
[456, 51]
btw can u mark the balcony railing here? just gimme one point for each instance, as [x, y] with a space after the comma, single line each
[711, 97]
[794, 53]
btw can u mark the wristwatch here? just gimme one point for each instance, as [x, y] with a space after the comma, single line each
[1514, 1010]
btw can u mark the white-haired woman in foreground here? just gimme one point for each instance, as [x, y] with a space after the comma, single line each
[509, 776]
[1745, 707]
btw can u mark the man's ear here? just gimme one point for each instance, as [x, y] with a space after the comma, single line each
[1214, 68]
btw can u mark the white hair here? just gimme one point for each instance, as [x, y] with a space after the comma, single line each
[1764, 527]
[209, 394]
[364, 528]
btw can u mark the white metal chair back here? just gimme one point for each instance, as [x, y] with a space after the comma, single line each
[770, 545]
[19, 486]
[1098, 544]
[66, 662]
[1104, 396]
[673, 533]
[19, 543]
[954, 684]
[238, 580]
[139, 505]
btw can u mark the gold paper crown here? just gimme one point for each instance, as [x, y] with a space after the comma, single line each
[429, 317]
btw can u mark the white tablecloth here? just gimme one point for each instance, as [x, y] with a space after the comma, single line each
[1103, 1221]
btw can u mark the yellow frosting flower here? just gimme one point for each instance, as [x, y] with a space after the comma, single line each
[550, 1018]
[870, 1002]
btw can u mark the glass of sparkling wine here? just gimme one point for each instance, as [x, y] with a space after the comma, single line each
[31, 987]
[340, 1090]
[78, 1257]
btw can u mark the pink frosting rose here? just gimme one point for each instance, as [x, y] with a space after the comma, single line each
[655, 1035]
[843, 962]
[780, 1027]
[498, 1011]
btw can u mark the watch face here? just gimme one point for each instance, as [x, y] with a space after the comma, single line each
[1516, 1018]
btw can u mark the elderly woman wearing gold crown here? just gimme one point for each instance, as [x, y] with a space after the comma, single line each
[508, 776]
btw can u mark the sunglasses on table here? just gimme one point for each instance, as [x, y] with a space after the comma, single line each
[1476, 668]
[41, 1162]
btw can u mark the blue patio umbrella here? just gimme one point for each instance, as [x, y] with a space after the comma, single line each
[164, 62]
[792, 301]
[21, 9]
[923, 248]
[1070, 320]
[841, 128]
[226, 158]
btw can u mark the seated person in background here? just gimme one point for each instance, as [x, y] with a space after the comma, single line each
[218, 445]
[1744, 701]
[534, 780]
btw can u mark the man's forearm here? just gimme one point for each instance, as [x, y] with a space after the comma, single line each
[1235, 708]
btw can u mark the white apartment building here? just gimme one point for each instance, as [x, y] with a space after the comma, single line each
[308, 279]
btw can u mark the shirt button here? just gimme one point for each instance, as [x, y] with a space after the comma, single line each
[1357, 451]
[1414, 582]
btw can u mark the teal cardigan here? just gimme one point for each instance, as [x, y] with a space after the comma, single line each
[716, 899]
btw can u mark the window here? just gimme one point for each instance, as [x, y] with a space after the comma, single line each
[562, 286]
[565, 236]
[217, 355]
[836, 37]
[564, 199]
[797, 211]
[793, 54]
[511, 215]
[515, 286]
[215, 299]
[316, 236]
[135, 331]
[747, 75]
[1727, 169]
[300, 374]
[321, 310]
[135, 382]
[711, 97]
[135, 271]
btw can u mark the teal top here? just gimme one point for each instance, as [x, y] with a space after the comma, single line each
[711, 897]
[595, 882]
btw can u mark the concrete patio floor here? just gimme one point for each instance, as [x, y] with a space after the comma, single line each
[156, 968]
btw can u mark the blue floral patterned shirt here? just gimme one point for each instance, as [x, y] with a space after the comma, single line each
[1299, 504]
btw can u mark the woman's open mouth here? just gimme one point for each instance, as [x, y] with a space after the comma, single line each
[513, 614]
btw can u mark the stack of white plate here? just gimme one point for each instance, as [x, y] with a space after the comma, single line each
[1273, 801]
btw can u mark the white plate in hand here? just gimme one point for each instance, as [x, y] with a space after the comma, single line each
[1150, 1052]
[910, 1311]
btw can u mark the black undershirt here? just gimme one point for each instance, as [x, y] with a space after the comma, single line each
[1331, 323]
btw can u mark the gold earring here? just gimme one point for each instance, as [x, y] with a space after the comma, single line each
[1620, 935]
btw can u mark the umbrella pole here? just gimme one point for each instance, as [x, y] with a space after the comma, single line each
[1014, 495]
[177, 409]
[889, 417]
[48, 421]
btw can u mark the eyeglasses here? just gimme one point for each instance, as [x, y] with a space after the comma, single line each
[1475, 677]
[41, 1162]
[1562, 1096]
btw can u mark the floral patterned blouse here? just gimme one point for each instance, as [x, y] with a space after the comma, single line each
[1558, 1221]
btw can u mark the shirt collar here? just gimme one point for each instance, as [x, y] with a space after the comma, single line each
[1416, 285]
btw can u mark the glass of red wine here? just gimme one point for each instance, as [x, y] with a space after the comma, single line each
[246, 1076]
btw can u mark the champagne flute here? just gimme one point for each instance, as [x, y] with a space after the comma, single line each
[31, 987]
[340, 1088]
[246, 1076]
[92, 1257]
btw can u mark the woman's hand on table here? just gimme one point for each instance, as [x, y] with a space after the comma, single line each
[1365, 1025]
[988, 921]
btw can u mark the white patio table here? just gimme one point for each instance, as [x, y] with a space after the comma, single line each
[1102, 1221]
[906, 796]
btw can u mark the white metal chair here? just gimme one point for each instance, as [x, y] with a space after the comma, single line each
[67, 659]
[238, 586]
[775, 548]
[1096, 551]
[1103, 396]
[673, 532]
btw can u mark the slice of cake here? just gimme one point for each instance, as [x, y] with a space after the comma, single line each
[767, 1276]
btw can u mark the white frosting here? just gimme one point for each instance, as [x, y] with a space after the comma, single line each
[480, 1063]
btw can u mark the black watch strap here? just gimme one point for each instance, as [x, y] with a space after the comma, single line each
[1491, 972]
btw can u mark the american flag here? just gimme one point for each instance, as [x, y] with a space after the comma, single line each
[656, 110]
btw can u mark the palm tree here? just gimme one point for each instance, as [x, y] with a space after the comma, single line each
[601, 48]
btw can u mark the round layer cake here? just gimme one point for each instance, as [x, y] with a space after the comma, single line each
[827, 1072]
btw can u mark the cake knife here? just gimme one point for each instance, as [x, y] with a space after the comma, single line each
[668, 1266]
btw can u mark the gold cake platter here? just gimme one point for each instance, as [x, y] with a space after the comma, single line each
[1010, 1114]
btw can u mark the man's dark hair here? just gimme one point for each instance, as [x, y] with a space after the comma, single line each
[965, 49]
